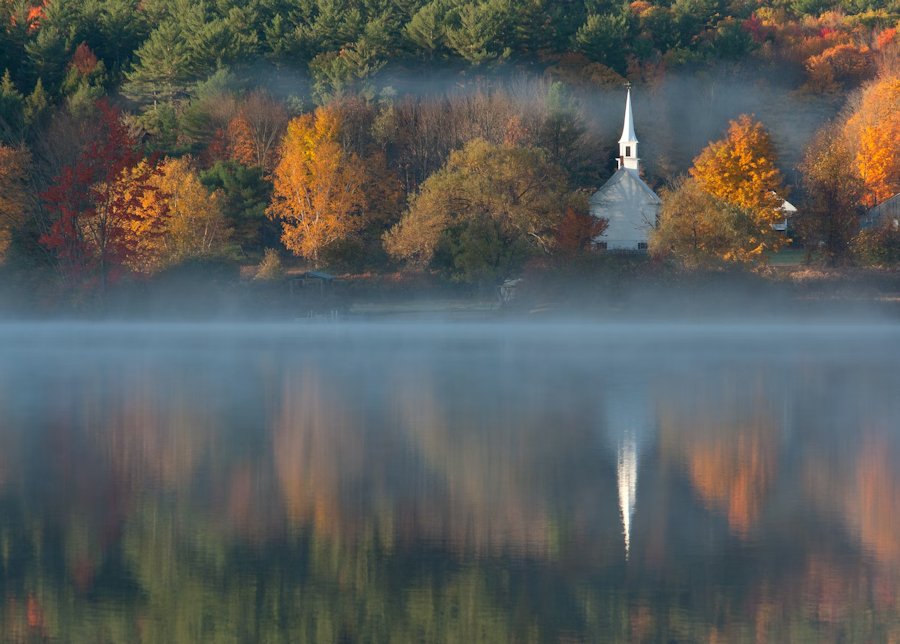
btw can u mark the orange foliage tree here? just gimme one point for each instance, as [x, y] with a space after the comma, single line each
[177, 219]
[253, 134]
[840, 67]
[874, 126]
[240, 140]
[740, 170]
[318, 186]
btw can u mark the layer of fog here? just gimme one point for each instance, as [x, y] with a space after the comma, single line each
[675, 116]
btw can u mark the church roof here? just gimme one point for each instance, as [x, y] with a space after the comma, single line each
[625, 177]
[628, 128]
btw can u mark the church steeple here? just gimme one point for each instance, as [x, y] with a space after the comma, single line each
[628, 157]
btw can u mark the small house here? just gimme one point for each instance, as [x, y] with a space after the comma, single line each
[789, 211]
[887, 213]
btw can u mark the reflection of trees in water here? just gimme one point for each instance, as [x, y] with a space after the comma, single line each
[873, 501]
[484, 464]
[156, 431]
[728, 438]
[316, 449]
[861, 484]
[415, 515]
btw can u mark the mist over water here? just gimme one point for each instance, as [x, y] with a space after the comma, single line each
[422, 481]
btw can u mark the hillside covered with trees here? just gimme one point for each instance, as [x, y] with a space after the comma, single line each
[461, 138]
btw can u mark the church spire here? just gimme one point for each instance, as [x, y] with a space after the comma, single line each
[628, 157]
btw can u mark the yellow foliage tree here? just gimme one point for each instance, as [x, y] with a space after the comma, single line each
[701, 230]
[874, 126]
[178, 219]
[740, 170]
[318, 186]
[14, 164]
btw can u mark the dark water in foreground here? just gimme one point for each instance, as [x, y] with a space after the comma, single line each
[464, 483]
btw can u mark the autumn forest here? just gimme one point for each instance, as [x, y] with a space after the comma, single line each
[242, 142]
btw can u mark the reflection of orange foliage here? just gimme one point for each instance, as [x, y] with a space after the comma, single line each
[728, 440]
[488, 502]
[150, 441]
[314, 452]
[34, 612]
[826, 591]
[734, 474]
[875, 502]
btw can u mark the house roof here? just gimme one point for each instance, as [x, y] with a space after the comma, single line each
[887, 209]
[317, 275]
[625, 177]
[890, 205]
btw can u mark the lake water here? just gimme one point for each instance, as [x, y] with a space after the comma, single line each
[468, 482]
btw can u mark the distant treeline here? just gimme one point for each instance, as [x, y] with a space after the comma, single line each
[156, 50]
[457, 137]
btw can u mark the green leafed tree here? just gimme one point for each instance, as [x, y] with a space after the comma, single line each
[36, 107]
[480, 31]
[162, 69]
[48, 53]
[511, 194]
[830, 215]
[603, 38]
[245, 196]
[11, 104]
[426, 29]
[122, 27]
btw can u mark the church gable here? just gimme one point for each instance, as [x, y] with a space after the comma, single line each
[625, 185]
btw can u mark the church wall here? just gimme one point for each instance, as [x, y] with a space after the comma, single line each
[630, 220]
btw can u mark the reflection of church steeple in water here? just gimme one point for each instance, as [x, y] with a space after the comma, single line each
[629, 425]
[626, 477]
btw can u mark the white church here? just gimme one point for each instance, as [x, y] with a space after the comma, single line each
[628, 203]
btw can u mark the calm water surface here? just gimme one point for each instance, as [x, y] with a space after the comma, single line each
[468, 482]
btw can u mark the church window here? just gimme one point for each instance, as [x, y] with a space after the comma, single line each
[600, 245]
[642, 245]
[627, 150]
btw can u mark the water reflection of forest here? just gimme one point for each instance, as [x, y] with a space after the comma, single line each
[413, 498]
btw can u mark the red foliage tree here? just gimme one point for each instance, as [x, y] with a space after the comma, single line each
[577, 230]
[91, 208]
[84, 60]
